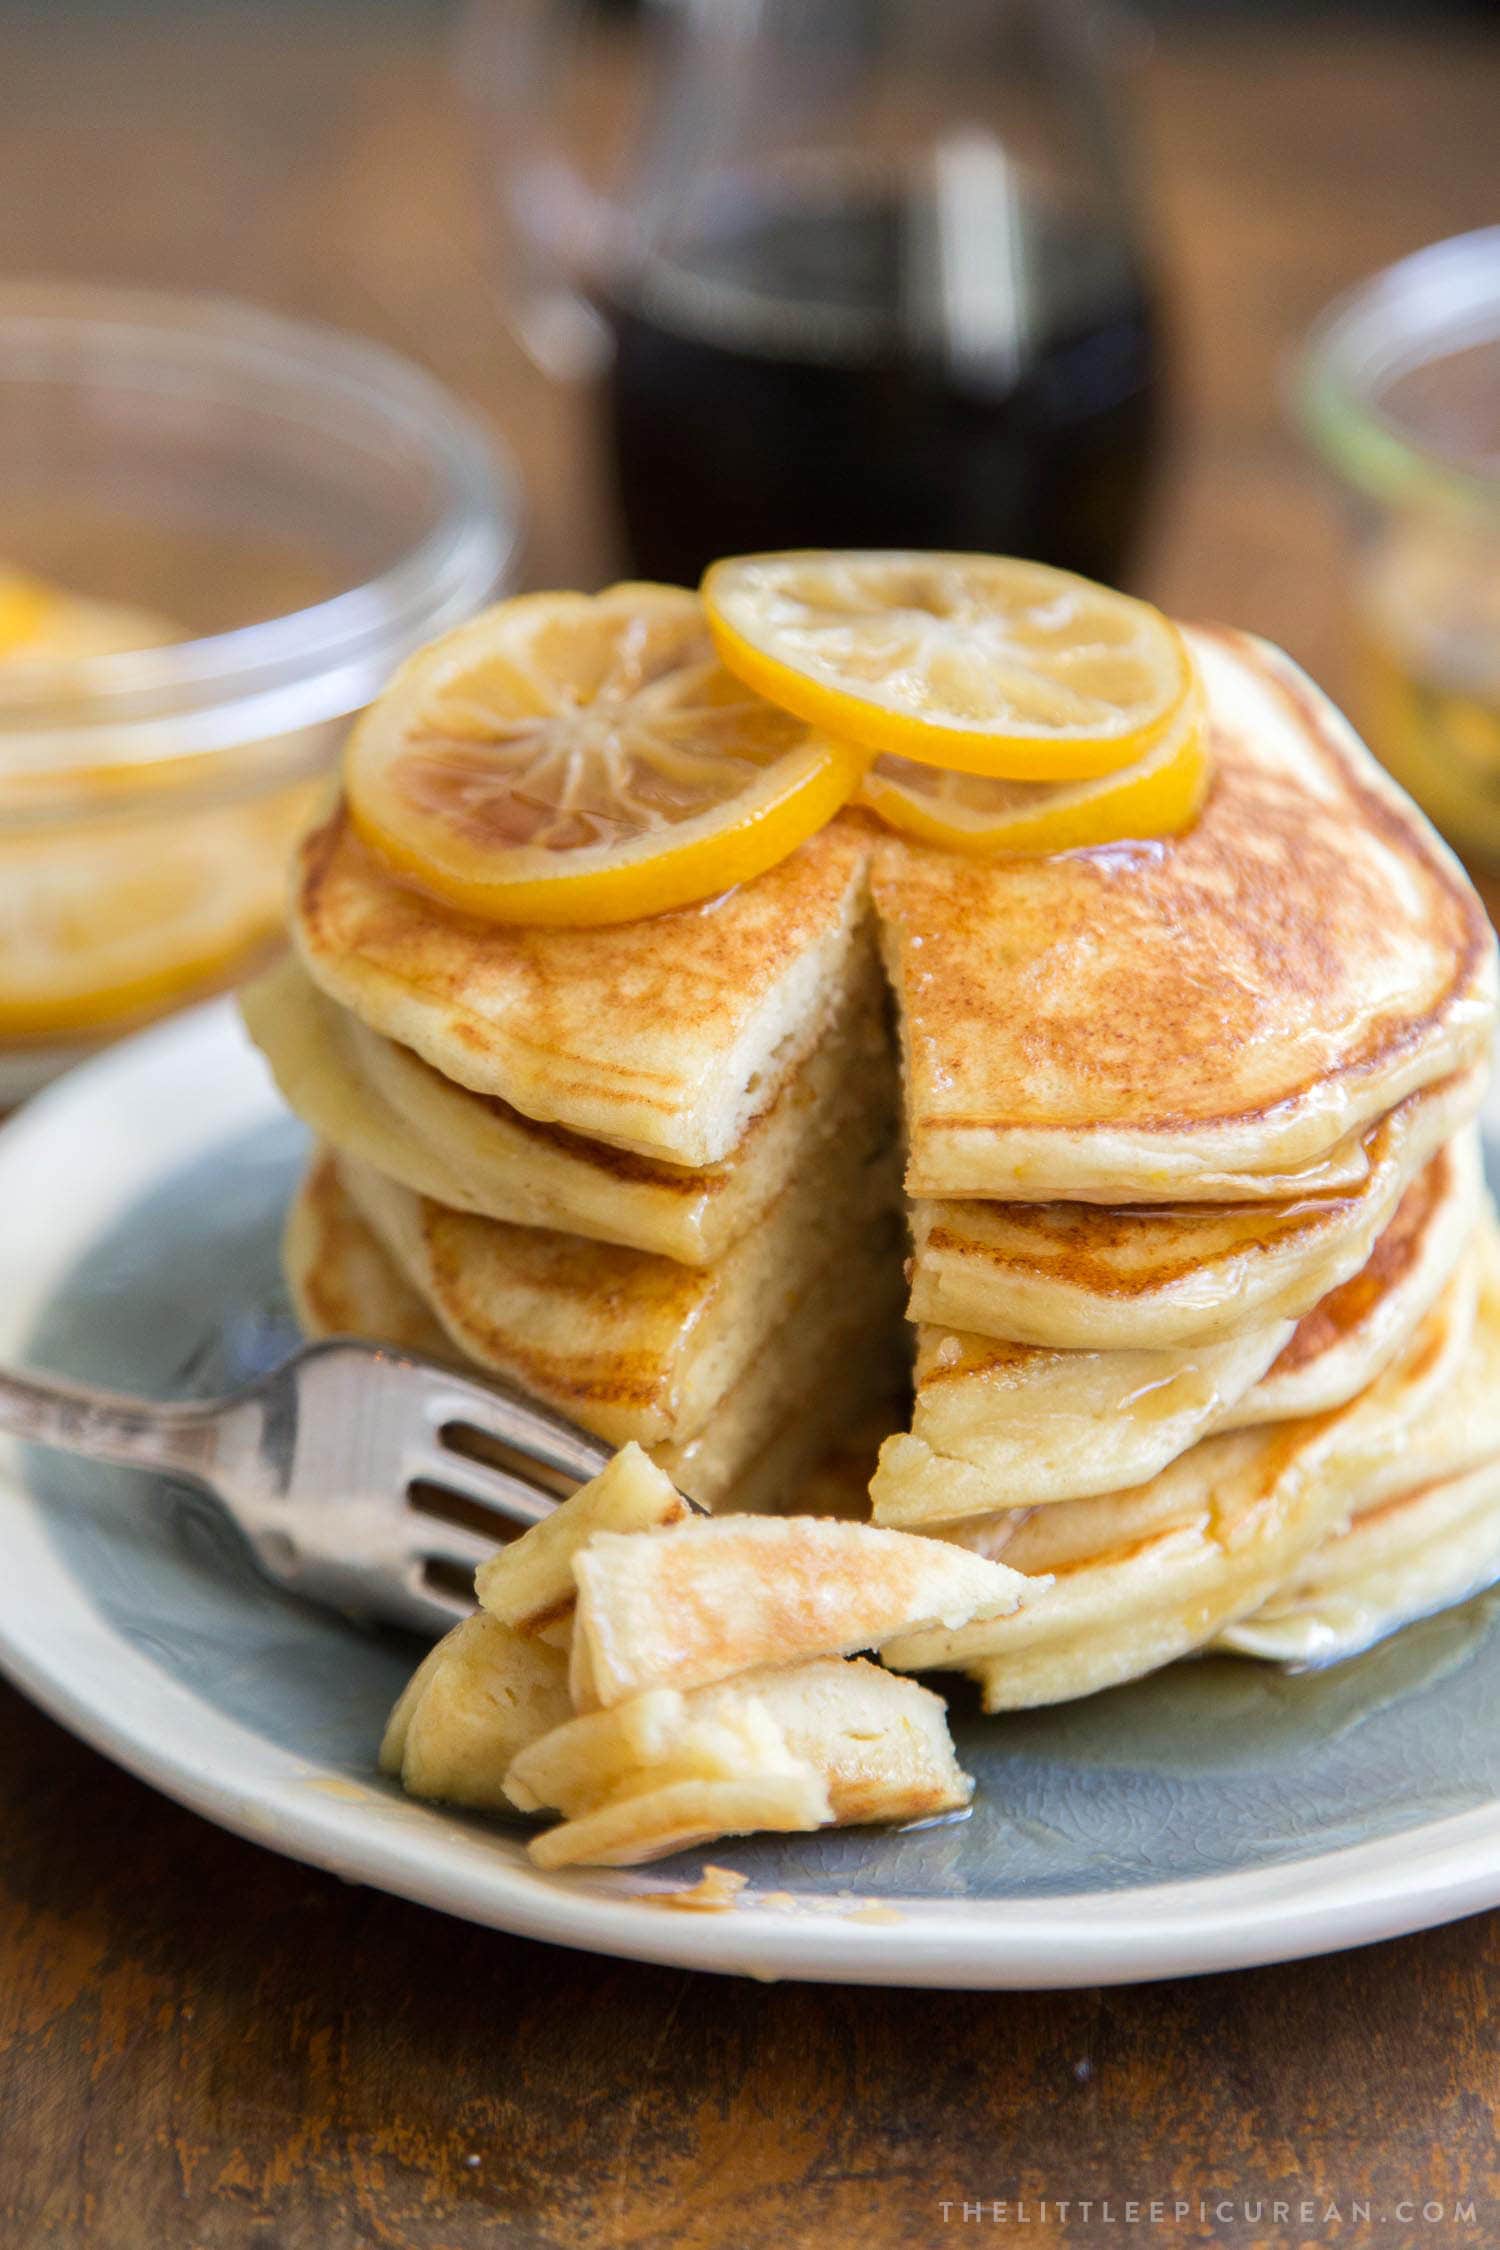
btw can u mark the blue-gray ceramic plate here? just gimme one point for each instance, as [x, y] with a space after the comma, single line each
[1218, 1815]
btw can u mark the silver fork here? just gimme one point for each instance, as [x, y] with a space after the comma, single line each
[338, 1467]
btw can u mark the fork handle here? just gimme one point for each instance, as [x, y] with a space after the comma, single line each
[109, 1425]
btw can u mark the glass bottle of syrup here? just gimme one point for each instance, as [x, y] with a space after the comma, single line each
[866, 272]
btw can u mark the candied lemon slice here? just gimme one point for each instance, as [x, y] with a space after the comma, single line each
[981, 663]
[105, 923]
[1157, 796]
[45, 628]
[575, 759]
[25, 604]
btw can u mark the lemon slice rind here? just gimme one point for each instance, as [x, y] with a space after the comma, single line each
[1160, 795]
[980, 664]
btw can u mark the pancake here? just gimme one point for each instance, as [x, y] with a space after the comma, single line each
[631, 1345]
[665, 1036]
[1429, 1550]
[1014, 1426]
[380, 1103]
[1425, 1532]
[822, 1377]
[1074, 1276]
[1199, 1017]
[341, 1282]
[801, 1395]
[1358, 1328]
[1143, 1577]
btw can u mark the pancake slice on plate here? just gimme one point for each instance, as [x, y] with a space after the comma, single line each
[1199, 1017]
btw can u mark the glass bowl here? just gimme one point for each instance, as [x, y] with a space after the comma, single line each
[284, 513]
[1399, 388]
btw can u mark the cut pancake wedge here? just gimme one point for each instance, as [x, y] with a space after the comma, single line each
[630, 1345]
[381, 1104]
[1186, 1018]
[664, 1036]
[1014, 1426]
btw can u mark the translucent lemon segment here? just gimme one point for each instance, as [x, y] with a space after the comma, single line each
[24, 606]
[1159, 795]
[982, 664]
[45, 629]
[577, 759]
[106, 922]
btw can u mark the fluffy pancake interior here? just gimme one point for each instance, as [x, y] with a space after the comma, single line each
[633, 1345]
[806, 1389]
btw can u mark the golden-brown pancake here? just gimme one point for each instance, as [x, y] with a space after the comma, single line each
[383, 1105]
[1429, 1549]
[341, 1282]
[1000, 1425]
[1142, 1577]
[666, 1036]
[1358, 1328]
[836, 1356]
[1076, 1276]
[1201, 1016]
[632, 1345]
[1015, 1426]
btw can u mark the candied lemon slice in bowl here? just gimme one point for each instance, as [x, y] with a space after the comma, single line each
[1159, 795]
[578, 759]
[111, 921]
[984, 664]
[25, 604]
[45, 628]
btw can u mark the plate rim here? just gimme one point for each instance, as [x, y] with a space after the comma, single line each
[1354, 1894]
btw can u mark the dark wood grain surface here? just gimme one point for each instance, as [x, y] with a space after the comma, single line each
[203, 2047]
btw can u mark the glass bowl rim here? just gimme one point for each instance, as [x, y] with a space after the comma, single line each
[1432, 301]
[308, 664]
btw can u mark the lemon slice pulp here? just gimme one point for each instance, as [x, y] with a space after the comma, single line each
[1159, 795]
[577, 759]
[110, 921]
[983, 664]
[25, 605]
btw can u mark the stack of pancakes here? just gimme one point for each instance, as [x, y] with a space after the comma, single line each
[649, 1174]
[1204, 1281]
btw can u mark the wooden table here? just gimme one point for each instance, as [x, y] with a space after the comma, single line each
[206, 2048]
